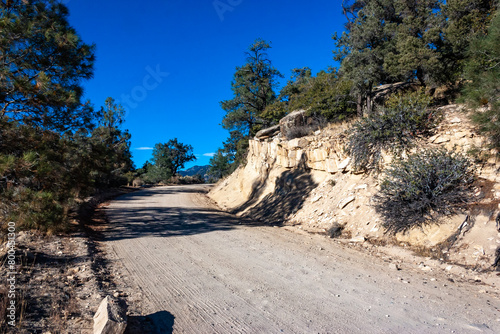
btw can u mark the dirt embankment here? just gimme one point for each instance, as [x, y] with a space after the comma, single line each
[60, 278]
[308, 184]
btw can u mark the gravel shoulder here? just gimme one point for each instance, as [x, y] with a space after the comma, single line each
[187, 267]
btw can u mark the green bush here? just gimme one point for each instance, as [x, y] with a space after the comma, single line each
[413, 191]
[327, 95]
[393, 129]
[42, 173]
[482, 72]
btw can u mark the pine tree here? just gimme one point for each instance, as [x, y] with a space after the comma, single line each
[418, 35]
[253, 87]
[483, 73]
[42, 63]
[368, 39]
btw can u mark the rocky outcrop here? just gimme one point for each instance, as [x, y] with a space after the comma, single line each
[298, 124]
[268, 132]
[314, 174]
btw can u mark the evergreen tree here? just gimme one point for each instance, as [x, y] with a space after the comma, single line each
[466, 20]
[253, 88]
[110, 146]
[42, 62]
[326, 95]
[368, 39]
[418, 35]
[220, 165]
[483, 74]
[169, 158]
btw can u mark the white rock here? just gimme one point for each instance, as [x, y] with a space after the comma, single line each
[110, 318]
[359, 238]
[317, 198]
[456, 120]
[433, 138]
[343, 165]
[441, 140]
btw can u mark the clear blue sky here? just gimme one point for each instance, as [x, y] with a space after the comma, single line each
[170, 62]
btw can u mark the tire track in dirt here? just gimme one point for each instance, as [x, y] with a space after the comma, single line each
[217, 274]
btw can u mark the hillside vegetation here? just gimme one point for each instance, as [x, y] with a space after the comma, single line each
[448, 49]
[401, 66]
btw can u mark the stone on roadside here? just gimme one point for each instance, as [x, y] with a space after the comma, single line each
[110, 317]
[359, 238]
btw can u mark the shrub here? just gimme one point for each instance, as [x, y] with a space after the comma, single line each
[335, 230]
[430, 182]
[393, 129]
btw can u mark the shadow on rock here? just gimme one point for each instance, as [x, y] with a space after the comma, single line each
[291, 190]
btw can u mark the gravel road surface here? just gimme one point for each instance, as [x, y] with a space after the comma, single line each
[200, 270]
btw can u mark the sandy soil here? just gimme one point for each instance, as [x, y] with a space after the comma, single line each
[187, 267]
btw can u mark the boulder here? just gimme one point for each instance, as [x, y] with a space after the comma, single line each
[269, 132]
[110, 317]
[297, 124]
[298, 143]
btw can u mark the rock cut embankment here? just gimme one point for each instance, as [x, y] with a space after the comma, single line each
[308, 183]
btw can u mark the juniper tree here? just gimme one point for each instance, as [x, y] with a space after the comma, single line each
[466, 20]
[363, 47]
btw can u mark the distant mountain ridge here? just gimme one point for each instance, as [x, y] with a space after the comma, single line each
[201, 170]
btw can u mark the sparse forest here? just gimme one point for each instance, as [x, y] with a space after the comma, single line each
[55, 148]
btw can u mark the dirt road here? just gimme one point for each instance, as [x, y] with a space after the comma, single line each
[202, 271]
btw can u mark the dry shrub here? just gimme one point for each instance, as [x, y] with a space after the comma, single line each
[428, 183]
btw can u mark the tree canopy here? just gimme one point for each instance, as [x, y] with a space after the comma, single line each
[168, 159]
[387, 41]
[54, 149]
[42, 64]
[253, 88]
[483, 72]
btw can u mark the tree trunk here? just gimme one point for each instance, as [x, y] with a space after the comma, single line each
[420, 76]
[359, 106]
[369, 106]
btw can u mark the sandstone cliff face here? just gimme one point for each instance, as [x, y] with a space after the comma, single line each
[308, 183]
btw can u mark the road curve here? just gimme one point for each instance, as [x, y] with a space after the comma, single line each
[204, 271]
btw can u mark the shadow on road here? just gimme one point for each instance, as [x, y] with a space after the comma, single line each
[135, 222]
[161, 322]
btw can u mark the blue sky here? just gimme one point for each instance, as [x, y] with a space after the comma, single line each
[171, 62]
